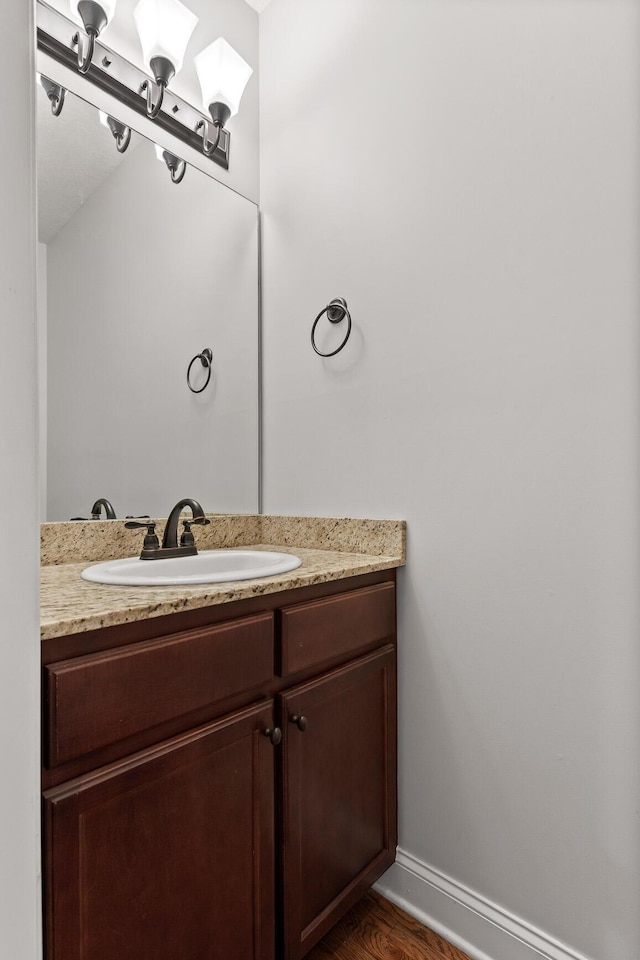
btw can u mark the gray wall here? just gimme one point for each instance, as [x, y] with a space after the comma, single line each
[465, 173]
[19, 676]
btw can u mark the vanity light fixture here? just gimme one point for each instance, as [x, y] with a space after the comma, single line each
[223, 76]
[121, 133]
[95, 17]
[54, 92]
[164, 28]
[177, 167]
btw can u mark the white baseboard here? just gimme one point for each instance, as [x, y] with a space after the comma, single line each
[472, 923]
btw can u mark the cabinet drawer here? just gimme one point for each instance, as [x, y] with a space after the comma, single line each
[100, 699]
[321, 630]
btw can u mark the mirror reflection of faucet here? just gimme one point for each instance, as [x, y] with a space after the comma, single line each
[151, 549]
[96, 511]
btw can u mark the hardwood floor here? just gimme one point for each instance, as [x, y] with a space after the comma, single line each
[378, 930]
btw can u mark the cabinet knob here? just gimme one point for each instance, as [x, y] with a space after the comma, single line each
[301, 722]
[274, 734]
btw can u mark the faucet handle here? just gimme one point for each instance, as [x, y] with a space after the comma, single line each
[187, 540]
[151, 541]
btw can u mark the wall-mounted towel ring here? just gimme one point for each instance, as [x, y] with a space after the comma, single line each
[205, 359]
[336, 311]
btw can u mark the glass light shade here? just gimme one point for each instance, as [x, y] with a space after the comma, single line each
[223, 75]
[109, 7]
[164, 28]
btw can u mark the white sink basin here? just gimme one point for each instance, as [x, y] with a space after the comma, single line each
[208, 566]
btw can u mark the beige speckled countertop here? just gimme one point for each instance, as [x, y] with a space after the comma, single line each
[70, 604]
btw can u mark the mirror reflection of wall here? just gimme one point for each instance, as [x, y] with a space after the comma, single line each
[137, 276]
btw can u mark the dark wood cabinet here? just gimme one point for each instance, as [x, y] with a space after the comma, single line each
[338, 794]
[169, 853]
[106, 697]
[220, 787]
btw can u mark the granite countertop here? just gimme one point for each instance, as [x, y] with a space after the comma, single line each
[70, 604]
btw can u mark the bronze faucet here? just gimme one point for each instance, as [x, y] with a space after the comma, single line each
[96, 509]
[152, 550]
[170, 538]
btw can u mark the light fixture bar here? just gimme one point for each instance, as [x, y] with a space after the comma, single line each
[121, 79]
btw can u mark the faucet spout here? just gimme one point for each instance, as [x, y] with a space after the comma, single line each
[170, 536]
[96, 509]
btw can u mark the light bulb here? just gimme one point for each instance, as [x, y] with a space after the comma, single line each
[164, 28]
[223, 75]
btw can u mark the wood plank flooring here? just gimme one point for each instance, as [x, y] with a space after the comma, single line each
[376, 929]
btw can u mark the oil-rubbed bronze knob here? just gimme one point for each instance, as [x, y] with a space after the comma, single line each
[274, 734]
[301, 722]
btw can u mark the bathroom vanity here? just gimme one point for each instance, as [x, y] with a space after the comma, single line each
[219, 781]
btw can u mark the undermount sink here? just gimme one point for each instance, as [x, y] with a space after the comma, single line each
[208, 566]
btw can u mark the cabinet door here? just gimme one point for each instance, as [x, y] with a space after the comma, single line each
[338, 793]
[167, 854]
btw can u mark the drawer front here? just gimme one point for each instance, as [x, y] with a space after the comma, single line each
[315, 632]
[101, 699]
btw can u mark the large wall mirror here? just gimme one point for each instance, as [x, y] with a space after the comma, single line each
[138, 275]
